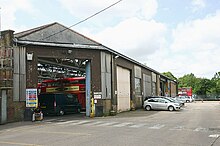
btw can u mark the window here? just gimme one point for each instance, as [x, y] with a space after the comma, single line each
[71, 98]
[152, 100]
[137, 86]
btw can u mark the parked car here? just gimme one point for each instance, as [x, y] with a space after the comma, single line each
[168, 98]
[175, 100]
[160, 104]
[58, 103]
[184, 98]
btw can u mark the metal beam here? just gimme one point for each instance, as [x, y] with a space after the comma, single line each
[59, 64]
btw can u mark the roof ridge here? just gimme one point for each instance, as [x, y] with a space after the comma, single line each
[79, 33]
[29, 31]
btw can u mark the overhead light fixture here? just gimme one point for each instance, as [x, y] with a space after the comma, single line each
[30, 56]
[69, 51]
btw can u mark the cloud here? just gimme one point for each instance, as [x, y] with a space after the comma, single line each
[9, 9]
[134, 37]
[198, 5]
[195, 48]
[144, 9]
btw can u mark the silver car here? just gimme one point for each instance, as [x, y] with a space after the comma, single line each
[175, 100]
[160, 104]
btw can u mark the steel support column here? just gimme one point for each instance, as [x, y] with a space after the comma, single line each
[88, 88]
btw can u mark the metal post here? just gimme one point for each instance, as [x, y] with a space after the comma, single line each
[88, 88]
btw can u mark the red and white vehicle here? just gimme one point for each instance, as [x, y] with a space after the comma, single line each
[74, 85]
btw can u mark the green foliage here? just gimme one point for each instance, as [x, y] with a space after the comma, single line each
[200, 86]
[216, 84]
[188, 80]
[203, 86]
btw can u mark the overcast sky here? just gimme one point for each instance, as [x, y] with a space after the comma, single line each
[180, 36]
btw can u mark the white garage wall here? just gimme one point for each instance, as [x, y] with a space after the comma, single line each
[123, 89]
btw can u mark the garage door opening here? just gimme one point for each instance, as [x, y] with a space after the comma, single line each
[66, 76]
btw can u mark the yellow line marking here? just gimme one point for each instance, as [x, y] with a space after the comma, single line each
[16, 143]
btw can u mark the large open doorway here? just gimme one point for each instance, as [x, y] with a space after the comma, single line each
[69, 76]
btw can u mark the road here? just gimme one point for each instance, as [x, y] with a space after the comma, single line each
[197, 124]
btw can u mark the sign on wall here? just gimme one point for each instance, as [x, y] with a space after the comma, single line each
[31, 97]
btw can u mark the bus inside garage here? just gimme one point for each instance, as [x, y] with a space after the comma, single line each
[67, 76]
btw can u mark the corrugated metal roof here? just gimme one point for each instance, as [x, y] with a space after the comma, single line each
[66, 37]
[54, 33]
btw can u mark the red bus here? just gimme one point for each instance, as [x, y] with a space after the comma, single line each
[185, 91]
[49, 86]
[75, 85]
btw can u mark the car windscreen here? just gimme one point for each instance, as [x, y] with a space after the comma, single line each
[71, 98]
[46, 100]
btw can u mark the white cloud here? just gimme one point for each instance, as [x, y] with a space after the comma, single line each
[144, 9]
[195, 49]
[198, 5]
[9, 9]
[134, 37]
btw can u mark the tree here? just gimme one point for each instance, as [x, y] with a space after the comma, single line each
[216, 84]
[188, 80]
[203, 86]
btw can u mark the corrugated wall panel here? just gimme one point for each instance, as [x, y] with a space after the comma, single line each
[16, 60]
[19, 77]
[106, 75]
[16, 87]
[3, 107]
[22, 74]
[16, 79]
[147, 85]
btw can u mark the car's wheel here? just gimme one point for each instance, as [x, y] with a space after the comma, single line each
[61, 112]
[148, 108]
[171, 108]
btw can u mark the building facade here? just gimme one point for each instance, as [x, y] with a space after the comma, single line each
[114, 82]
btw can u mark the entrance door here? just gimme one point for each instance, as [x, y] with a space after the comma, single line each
[123, 88]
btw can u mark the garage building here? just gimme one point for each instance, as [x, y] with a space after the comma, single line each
[114, 82]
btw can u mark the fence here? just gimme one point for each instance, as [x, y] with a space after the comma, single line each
[209, 97]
